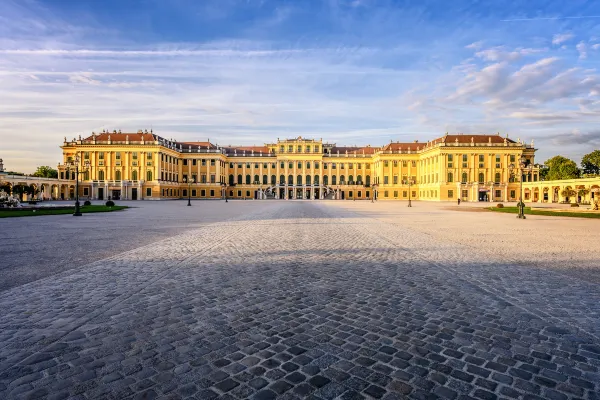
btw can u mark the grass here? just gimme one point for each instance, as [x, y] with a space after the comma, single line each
[529, 211]
[50, 211]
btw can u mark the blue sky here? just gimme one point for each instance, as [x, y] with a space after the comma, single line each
[251, 71]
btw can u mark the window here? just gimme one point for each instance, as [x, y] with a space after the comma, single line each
[316, 149]
[385, 194]
[148, 192]
[350, 165]
[239, 193]
[299, 164]
[350, 193]
[512, 158]
[308, 165]
[464, 177]
[281, 164]
[290, 179]
[481, 177]
[308, 149]
[299, 180]
[247, 193]
[134, 176]
[213, 178]
[239, 179]
[185, 162]
[86, 155]
[212, 193]
[512, 194]
[257, 179]
[326, 180]
[202, 193]
[290, 149]
[265, 165]
[450, 177]
[450, 160]
[203, 178]
[281, 149]
[359, 179]
[498, 193]
[101, 155]
[325, 165]
[385, 180]
[290, 165]
[385, 164]
[148, 175]
[265, 180]
[333, 180]
[194, 162]
[101, 176]
[497, 177]
[282, 179]
[316, 165]
[184, 193]
[465, 161]
[212, 162]
[203, 162]
[194, 192]
[308, 180]
[481, 160]
[316, 180]
[299, 149]
[341, 165]
[395, 181]
[118, 155]
[395, 193]
[230, 165]
[247, 179]
[333, 166]
[368, 166]
[231, 180]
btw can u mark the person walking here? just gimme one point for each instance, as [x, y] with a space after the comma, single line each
[459, 201]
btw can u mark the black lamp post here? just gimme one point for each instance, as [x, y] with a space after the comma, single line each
[75, 163]
[409, 182]
[521, 168]
[189, 182]
[224, 188]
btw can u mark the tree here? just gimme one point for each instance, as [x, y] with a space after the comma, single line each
[591, 163]
[568, 192]
[560, 167]
[46, 172]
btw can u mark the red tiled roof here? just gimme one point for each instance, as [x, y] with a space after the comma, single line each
[466, 138]
[121, 137]
[247, 149]
[353, 150]
[195, 145]
[404, 146]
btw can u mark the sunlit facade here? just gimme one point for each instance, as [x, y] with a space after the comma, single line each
[145, 166]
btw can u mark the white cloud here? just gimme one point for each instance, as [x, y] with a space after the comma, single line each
[596, 46]
[561, 38]
[581, 48]
[474, 45]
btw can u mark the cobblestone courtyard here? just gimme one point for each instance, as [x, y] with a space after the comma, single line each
[322, 300]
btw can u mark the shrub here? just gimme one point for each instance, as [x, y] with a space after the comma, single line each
[110, 203]
[574, 205]
[499, 205]
[87, 203]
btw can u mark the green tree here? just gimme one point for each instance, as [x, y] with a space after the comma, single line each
[591, 163]
[46, 172]
[560, 167]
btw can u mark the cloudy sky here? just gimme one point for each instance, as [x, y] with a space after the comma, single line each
[250, 71]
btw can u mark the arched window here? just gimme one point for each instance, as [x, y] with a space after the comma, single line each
[308, 180]
[450, 177]
[333, 180]
[325, 180]
[281, 178]
[350, 179]
[256, 179]
[247, 179]
[273, 180]
[134, 176]
[359, 180]
[148, 175]
[231, 180]
[497, 177]
[101, 175]
[464, 177]
[368, 182]
[481, 177]
[290, 179]
[265, 179]
[316, 180]
[239, 180]
[299, 180]
[342, 179]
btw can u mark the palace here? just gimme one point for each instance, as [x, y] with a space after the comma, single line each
[145, 166]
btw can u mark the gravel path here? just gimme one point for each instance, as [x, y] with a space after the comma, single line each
[323, 299]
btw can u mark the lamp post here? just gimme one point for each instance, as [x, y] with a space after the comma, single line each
[409, 182]
[75, 163]
[189, 182]
[224, 188]
[521, 168]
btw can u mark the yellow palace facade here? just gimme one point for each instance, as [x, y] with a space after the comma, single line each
[145, 166]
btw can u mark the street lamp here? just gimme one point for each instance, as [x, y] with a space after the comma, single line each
[521, 168]
[75, 163]
[409, 182]
[189, 182]
[224, 188]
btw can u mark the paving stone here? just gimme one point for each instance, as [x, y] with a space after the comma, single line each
[367, 305]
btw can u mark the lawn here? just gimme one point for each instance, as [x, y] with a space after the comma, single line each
[49, 211]
[529, 211]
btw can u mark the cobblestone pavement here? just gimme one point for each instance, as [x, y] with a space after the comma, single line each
[316, 300]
